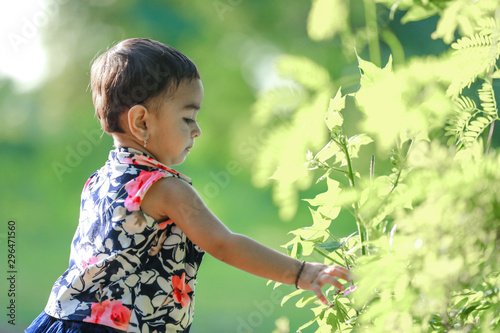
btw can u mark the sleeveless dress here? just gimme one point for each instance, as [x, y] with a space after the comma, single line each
[127, 271]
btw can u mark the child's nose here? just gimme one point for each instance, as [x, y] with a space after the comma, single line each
[196, 131]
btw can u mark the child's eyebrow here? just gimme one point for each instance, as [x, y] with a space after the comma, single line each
[192, 106]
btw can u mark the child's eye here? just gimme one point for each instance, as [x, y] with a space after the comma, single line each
[189, 120]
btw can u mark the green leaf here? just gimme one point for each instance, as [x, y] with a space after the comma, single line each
[333, 118]
[306, 300]
[462, 15]
[307, 233]
[355, 143]
[348, 196]
[478, 47]
[468, 122]
[487, 97]
[292, 294]
[462, 303]
[371, 73]
[331, 149]
[327, 18]
[329, 197]
[329, 246]
[319, 222]
[312, 321]
[329, 211]
[418, 12]
[465, 313]
[333, 321]
[340, 311]
[296, 250]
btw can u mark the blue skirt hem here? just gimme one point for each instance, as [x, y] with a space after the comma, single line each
[47, 324]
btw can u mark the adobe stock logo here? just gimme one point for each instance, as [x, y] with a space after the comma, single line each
[30, 25]
[264, 309]
[75, 154]
[221, 7]
[48, 11]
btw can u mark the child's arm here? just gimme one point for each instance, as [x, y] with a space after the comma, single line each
[174, 198]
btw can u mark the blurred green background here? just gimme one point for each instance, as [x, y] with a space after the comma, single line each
[50, 140]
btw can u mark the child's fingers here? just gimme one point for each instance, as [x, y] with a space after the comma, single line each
[319, 294]
[328, 279]
[338, 271]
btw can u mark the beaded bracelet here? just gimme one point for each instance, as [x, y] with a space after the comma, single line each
[301, 268]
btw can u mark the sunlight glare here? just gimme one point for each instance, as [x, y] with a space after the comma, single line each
[22, 57]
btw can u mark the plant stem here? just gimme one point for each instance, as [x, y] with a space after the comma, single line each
[400, 169]
[322, 165]
[397, 49]
[330, 234]
[339, 170]
[396, 182]
[325, 255]
[372, 170]
[361, 229]
[372, 31]
[490, 136]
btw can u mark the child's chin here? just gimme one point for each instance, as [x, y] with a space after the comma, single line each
[179, 161]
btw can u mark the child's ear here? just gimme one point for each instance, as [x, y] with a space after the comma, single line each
[138, 117]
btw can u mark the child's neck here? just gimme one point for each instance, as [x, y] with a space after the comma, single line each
[125, 141]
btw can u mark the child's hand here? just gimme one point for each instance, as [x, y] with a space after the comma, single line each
[315, 275]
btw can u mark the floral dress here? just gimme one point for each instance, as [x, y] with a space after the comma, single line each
[126, 270]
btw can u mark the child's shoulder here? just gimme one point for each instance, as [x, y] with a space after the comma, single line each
[166, 194]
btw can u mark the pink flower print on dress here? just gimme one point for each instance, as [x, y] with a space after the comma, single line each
[110, 313]
[87, 183]
[136, 188]
[98, 310]
[120, 315]
[90, 261]
[181, 290]
[128, 160]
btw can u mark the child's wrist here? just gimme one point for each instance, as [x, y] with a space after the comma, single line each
[299, 273]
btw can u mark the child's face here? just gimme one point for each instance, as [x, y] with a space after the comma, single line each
[174, 127]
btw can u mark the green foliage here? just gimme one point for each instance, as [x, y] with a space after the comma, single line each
[291, 113]
[444, 247]
[463, 15]
[483, 47]
[425, 255]
[327, 18]
[468, 122]
[401, 104]
[428, 233]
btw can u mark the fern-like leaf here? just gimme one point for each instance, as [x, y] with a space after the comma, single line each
[487, 97]
[474, 56]
[487, 26]
[463, 16]
[464, 109]
[472, 41]
[469, 122]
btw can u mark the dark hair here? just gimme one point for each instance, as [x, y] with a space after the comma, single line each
[133, 72]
